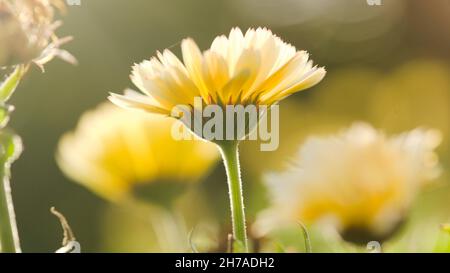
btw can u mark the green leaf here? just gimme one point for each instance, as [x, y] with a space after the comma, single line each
[10, 146]
[305, 232]
[9, 85]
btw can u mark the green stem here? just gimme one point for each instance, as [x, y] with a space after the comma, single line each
[9, 239]
[230, 154]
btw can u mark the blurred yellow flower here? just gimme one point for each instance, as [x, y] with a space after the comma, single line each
[256, 68]
[115, 153]
[359, 181]
[27, 32]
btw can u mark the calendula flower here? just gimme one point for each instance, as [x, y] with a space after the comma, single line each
[360, 181]
[27, 32]
[117, 153]
[255, 68]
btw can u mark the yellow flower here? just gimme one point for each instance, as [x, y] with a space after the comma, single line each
[360, 181]
[27, 32]
[115, 153]
[256, 68]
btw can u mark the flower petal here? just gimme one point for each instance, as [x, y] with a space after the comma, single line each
[138, 102]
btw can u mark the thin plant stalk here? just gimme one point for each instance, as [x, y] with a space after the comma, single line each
[9, 239]
[230, 155]
[11, 147]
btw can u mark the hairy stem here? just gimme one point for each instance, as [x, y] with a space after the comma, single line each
[230, 154]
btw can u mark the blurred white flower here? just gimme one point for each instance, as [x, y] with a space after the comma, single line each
[360, 181]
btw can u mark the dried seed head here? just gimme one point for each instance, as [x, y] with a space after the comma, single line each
[27, 32]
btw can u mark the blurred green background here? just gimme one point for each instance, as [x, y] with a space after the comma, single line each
[388, 64]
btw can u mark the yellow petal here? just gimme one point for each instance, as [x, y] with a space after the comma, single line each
[310, 80]
[135, 103]
[215, 70]
[287, 70]
[234, 87]
[250, 60]
[193, 60]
